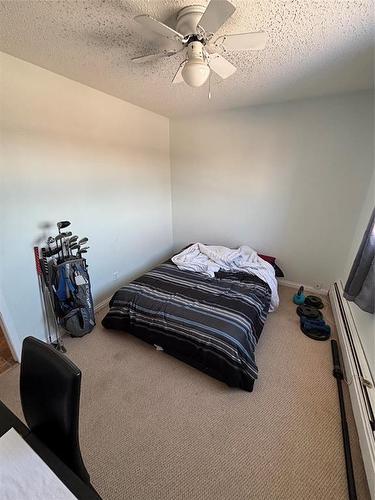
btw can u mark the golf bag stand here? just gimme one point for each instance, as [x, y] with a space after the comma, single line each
[53, 331]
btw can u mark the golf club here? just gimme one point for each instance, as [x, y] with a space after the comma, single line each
[62, 224]
[51, 251]
[81, 251]
[75, 246]
[50, 240]
[68, 243]
[58, 239]
[60, 243]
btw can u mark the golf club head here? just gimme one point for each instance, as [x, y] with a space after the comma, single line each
[59, 237]
[82, 241]
[74, 246]
[84, 249]
[59, 245]
[52, 251]
[62, 235]
[73, 239]
[50, 240]
[62, 224]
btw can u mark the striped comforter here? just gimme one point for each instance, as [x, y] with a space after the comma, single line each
[211, 323]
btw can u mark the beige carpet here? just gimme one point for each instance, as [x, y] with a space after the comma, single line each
[154, 428]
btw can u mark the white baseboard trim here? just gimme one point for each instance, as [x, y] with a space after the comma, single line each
[104, 303]
[311, 289]
[356, 369]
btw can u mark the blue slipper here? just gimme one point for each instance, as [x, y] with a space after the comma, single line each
[315, 330]
[315, 322]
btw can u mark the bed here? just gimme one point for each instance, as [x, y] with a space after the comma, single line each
[211, 323]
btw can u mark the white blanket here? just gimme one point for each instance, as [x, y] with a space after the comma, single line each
[209, 259]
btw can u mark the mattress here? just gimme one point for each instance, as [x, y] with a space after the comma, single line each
[211, 323]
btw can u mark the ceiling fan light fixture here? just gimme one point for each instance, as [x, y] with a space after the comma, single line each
[195, 72]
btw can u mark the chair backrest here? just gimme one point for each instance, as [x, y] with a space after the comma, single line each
[50, 386]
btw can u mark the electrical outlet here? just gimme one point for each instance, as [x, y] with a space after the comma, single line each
[318, 286]
[115, 275]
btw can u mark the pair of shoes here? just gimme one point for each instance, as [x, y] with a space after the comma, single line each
[316, 329]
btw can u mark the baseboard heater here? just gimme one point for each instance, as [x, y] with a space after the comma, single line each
[359, 379]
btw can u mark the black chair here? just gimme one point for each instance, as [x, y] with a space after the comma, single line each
[50, 386]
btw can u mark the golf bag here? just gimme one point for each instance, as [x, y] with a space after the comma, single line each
[72, 299]
[64, 285]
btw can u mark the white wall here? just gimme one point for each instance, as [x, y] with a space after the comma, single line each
[71, 152]
[287, 179]
[365, 322]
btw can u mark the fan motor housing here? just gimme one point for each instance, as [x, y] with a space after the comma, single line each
[195, 51]
[188, 19]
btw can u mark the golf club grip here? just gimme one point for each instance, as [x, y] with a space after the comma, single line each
[37, 261]
[337, 372]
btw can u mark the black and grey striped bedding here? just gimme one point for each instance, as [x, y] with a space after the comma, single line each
[211, 323]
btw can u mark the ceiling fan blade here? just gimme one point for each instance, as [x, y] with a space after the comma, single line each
[152, 57]
[217, 12]
[178, 76]
[221, 66]
[211, 48]
[243, 41]
[158, 27]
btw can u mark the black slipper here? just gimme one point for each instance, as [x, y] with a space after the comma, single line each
[314, 301]
[309, 312]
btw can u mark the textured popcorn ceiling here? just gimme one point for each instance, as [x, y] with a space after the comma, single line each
[316, 47]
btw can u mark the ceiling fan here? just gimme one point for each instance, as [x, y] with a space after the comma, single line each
[195, 29]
